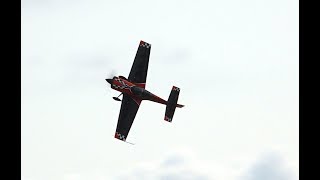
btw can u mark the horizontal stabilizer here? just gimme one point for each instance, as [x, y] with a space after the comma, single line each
[172, 104]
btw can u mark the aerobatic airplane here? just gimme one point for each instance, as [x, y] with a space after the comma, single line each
[133, 91]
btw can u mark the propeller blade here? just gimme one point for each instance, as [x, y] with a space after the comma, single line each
[111, 74]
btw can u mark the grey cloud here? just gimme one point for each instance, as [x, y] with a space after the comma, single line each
[269, 167]
[174, 167]
[174, 55]
[186, 175]
[173, 161]
[87, 61]
[180, 55]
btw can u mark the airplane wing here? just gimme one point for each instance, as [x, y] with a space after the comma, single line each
[128, 111]
[139, 69]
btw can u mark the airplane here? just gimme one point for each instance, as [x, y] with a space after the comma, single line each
[133, 91]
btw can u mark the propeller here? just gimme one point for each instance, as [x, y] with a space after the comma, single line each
[111, 74]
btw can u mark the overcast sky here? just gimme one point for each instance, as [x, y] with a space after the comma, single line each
[236, 63]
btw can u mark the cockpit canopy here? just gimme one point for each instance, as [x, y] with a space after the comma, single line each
[122, 77]
[137, 90]
[140, 92]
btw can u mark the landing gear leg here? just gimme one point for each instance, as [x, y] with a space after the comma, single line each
[117, 98]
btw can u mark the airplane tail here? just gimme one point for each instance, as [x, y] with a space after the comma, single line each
[172, 104]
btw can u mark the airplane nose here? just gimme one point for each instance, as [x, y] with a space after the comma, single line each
[109, 80]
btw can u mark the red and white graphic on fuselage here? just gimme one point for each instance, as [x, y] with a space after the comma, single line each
[127, 87]
[124, 86]
[121, 84]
